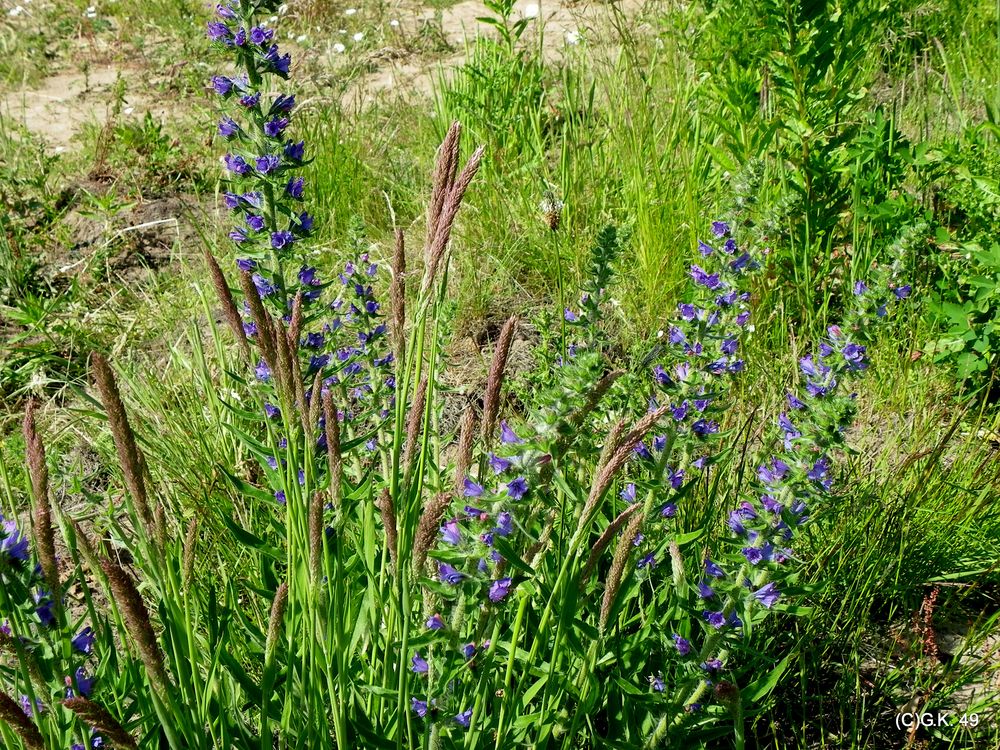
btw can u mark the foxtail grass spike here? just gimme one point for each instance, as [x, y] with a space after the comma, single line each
[131, 458]
[15, 718]
[494, 382]
[605, 539]
[441, 181]
[397, 297]
[225, 295]
[387, 510]
[618, 562]
[427, 528]
[101, 721]
[295, 325]
[137, 621]
[45, 541]
[261, 318]
[413, 424]
[316, 536]
[274, 625]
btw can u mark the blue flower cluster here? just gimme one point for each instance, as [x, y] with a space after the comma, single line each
[32, 618]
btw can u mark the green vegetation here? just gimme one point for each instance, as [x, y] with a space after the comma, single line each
[844, 144]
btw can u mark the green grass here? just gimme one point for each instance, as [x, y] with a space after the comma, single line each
[835, 140]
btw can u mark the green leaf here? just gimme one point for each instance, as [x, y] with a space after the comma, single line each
[762, 687]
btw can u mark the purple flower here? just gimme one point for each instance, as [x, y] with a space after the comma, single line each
[279, 64]
[628, 494]
[705, 591]
[434, 622]
[794, 402]
[264, 287]
[500, 588]
[771, 475]
[262, 371]
[469, 650]
[84, 685]
[715, 619]
[260, 36]
[219, 32]
[902, 292]
[451, 532]
[222, 85]
[713, 569]
[294, 187]
[419, 707]
[295, 151]
[284, 103]
[570, 316]
[498, 464]
[705, 427]
[660, 375]
[472, 489]
[854, 354]
[449, 574]
[236, 164]
[228, 127]
[704, 249]
[464, 718]
[273, 127]
[860, 288]
[13, 546]
[707, 280]
[507, 435]
[668, 511]
[741, 262]
[271, 411]
[281, 239]
[250, 100]
[517, 488]
[419, 664]
[683, 645]
[647, 561]
[767, 595]
[720, 229]
[267, 163]
[711, 665]
[505, 523]
[84, 640]
[256, 223]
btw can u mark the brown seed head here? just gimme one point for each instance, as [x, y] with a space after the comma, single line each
[229, 310]
[15, 718]
[427, 528]
[98, 718]
[494, 382]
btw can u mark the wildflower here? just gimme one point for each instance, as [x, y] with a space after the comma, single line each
[668, 511]
[281, 239]
[628, 494]
[434, 622]
[472, 489]
[84, 640]
[720, 229]
[83, 685]
[464, 718]
[683, 645]
[647, 561]
[507, 435]
[419, 664]
[449, 574]
[451, 533]
[500, 588]
[505, 523]
[657, 683]
[517, 488]
[228, 127]
[767, 595]
[13, 545]
[419, 707]
[705, 591]
[715, 619]
[711, 665]
[273, 127]
[713, 569]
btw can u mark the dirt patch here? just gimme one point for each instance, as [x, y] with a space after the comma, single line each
[59, 109]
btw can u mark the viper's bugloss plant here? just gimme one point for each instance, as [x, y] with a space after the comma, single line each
[533, 577]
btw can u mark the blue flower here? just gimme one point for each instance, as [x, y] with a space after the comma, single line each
[434, 622]
[507, 435]
[449, 574]
[628, 494]
[500, 588]
[767, 595]
[464, 718]
[517, 488]
[715, 619]
[419, 707]
[84, 640]
[720, 229]
[451, 532]
[419, 664]
[683, 645]
[472, 489]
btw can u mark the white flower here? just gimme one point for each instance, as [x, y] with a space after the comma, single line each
[91, 12]
[359, 36]
[339, 48]
[282, 9]
[128, 110]
[60, 149]
[272, 19]
[15, 11]
[350, 11]
[300, 38]
[573, 37]
[531, 10]
[394, 23]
